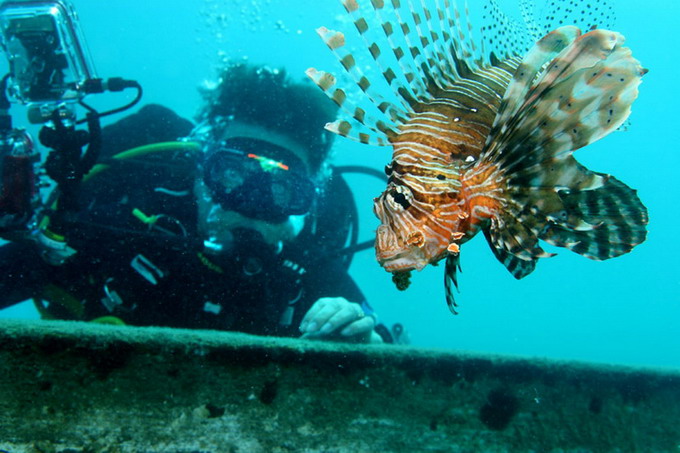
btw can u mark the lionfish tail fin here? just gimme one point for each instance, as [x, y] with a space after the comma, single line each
[570, 90]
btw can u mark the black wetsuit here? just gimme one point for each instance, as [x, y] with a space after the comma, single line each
[149, 277]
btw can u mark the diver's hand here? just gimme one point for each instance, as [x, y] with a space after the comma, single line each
[338, 318]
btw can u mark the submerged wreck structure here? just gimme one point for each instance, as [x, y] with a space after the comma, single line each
[77, 387]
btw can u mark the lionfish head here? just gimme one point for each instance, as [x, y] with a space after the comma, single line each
[401, 244]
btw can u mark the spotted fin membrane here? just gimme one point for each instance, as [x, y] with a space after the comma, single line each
[584, 93]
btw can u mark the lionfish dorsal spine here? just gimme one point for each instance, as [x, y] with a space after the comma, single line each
[442, 61]
[365, 128]
[426, 52]
[471, 55]
[415, 89]
[427, 66]
[452, 47]
[446, 47]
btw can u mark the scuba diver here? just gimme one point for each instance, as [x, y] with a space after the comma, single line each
[240, 225]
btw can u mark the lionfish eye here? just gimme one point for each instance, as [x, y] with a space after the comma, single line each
[400, 199]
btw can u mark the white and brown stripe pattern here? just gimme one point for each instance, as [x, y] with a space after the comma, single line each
[486, 144]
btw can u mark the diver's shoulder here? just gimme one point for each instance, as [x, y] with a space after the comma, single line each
[153, 123]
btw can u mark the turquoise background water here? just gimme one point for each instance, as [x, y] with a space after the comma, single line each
[623, 311]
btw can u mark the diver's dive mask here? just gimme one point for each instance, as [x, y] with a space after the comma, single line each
[258, 179]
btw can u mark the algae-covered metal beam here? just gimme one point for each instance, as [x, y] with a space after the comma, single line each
[77, 387]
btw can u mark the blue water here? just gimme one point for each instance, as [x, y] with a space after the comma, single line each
[623, 311]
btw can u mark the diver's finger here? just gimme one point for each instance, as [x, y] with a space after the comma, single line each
[319, 314]
[348, 313]
[361, 326]
[311, 313]
[314, 311]
[325, 319]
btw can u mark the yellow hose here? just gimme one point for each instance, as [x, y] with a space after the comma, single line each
[143, 151]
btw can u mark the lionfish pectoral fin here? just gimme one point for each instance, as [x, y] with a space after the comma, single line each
[451, 280]
[515, 244]
[545, 50]
[618, 218]
[519, 268]
[558, 102]
[584, 93]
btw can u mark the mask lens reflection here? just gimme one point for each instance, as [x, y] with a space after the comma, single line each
[268, 185]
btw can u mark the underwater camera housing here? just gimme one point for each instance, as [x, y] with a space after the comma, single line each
[49, 64]
[50, 73]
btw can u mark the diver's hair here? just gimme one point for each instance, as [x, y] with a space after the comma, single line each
[268, 98]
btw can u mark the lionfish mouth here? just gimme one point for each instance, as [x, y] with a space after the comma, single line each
[396, 256]
[399, 263]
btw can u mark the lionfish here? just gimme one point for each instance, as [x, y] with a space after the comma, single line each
[484, 142]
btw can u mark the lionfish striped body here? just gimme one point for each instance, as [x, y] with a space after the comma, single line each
[485, 143]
